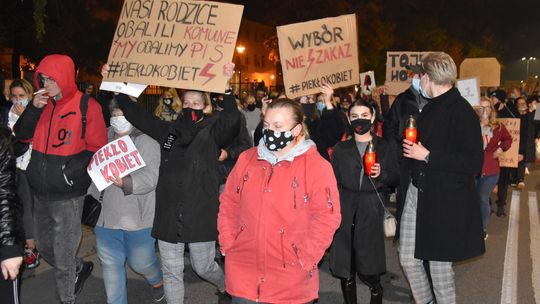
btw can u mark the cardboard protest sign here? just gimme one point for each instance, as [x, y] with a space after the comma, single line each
[317, 52]
[510, 157]
[488, 70]
[470, 90]
[119, 157]
[397, 76]
[132, 89]
[367, 82]
[174, 43]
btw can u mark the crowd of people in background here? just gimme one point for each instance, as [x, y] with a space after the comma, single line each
[257, 186]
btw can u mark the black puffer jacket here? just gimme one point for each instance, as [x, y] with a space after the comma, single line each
[11, 230]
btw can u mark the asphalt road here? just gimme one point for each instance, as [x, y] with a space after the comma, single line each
[479, 280]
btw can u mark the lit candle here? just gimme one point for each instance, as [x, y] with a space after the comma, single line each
[411, 132]
[370, 158]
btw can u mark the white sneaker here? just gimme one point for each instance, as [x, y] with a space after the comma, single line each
[527, 171]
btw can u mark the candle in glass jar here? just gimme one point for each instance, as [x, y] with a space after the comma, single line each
[411, 132]
[370, 159]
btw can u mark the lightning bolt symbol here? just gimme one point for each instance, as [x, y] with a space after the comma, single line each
[205, 72]
[311, 60]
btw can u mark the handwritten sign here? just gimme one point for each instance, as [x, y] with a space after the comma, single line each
[470, 90]
[173, 43]
[117, 158]
[510, 157]
[132, 89]
[397, 76]
[367, 82]
[487, 70]
[318, 52]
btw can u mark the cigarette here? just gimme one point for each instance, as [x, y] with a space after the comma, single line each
[40, 91]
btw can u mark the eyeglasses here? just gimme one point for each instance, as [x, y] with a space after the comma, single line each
[45, 79]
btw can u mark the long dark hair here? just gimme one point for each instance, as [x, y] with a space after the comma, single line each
[373, 109]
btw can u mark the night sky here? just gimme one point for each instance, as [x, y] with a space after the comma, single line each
[514, 24]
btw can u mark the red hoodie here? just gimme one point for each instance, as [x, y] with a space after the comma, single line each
[57, 168]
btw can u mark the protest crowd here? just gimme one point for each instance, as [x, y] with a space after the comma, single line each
[257, 186]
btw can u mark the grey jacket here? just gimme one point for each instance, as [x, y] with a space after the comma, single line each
[132, 206]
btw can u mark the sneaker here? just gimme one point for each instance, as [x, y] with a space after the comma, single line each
[223, 297]
[82, 275]
[485, 236]
[501, 213]
[158, 294]
[31, 258]
[527, 171]
[521, 185]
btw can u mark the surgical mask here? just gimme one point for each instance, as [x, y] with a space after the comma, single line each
[193, 115]
[321, 106]
[361, 125]
[23, 102]
[416, 84]
[167, 101]
[277, 140]
[424, 93]
[120, 124]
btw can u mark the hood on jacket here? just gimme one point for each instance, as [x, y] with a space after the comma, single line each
[60, 68]
[269, 156]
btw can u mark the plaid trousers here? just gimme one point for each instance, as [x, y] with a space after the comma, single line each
[442, 274]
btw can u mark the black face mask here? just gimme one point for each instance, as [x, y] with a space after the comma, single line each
[167, 101]
[251, 107]
[309, 109]
[220, 103]
[193, 115]
[361, 126]
[276, 140]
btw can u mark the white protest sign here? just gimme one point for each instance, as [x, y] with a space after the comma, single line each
[470, 90]
[367, 82]
[132, 89]
[117, 158]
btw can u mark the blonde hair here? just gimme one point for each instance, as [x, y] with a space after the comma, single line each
[440, 68]
[296, 108]
[25, 85]
[176, 103]
[208, 110]
[492, 120]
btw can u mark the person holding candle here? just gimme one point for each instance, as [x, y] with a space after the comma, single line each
[441, 221]
[358, 246]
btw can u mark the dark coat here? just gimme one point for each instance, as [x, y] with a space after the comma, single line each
[448, 218]
[406, 104]
[361, 206]
[326, 131]
[526, 137]
[11, 211]
[241, 143]
[187, 190]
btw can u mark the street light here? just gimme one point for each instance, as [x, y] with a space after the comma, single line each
[240, 49]
[528, 60]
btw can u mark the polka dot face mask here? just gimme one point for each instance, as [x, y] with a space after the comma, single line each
[277, 140]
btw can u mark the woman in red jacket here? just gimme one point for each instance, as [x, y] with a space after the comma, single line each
[278, 213]
[496, 140]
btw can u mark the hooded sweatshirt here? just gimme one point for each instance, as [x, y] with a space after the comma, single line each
[57, 169]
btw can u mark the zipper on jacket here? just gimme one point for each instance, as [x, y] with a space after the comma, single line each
[49, 130]
[240, 187]
[240, 231]
[282, 233]
[297, 254]
[270, 174]
[329, 201]
[261, 281]
[294, 186]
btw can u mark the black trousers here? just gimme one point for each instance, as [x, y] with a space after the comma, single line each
[502, 185]
[9, 291]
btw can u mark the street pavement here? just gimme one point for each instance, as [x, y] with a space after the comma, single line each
[479, 280]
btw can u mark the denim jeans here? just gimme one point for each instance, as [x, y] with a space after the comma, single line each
[114, 246]
[202, 256]
[57, 230]
[485, 186]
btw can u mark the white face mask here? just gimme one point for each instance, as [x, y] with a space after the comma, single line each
[22, 102]
[120, 124]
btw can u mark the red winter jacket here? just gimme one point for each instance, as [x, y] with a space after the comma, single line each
[501, 139]
[57, 168]
[273, 238]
